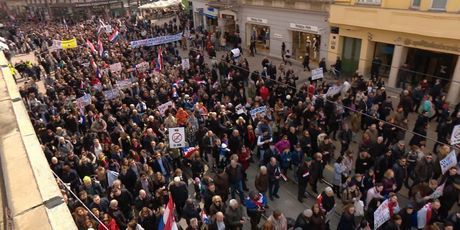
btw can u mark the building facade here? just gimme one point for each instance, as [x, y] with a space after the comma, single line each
[301, 24]
[414, 39]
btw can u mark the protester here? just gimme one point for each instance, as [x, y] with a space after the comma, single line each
[105, 132]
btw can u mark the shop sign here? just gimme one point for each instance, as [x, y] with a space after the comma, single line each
[258, 20]
[304, 27]
[211, 12]
[278, 36]
[428, 44]
[228, 16]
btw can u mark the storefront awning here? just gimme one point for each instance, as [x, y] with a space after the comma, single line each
[160, 4]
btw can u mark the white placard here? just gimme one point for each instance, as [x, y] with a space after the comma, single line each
[448, 162]
[115, 67]
[240, 109]
[124, 84]
[382, 214]
[259, 110]
[84, 100]
[236, 52]
[176, 137]
[163, 107]
[333, 90]
[185, 63]
[317, 74]
[143, 66]
[455, 136]
[111, 94]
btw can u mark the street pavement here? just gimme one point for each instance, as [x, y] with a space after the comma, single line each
[288, 202]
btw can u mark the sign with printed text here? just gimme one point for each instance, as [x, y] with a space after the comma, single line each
[185, 63]
[240, 109]
[156, 41]
[114, 68]
[333, 90]
[163, 107]
[176, 137]
[84, 100]
[455, 137]
[124, 84]
[317, 74]
[143, 66]
[259, 110]
[448, 162]
[111, 94]
[382, 214]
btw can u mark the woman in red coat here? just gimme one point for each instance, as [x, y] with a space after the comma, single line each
[109, 222]
[243, 159]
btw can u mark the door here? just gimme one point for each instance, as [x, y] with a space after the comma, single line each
[350, 55]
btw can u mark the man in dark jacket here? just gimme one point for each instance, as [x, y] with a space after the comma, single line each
[235, 176]
[274, 176]
[303, 174]
[400, 171]
[179, 194]
[303, 220]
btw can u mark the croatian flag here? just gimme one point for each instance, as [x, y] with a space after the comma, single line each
[189, 151]
[90, 46]
[100, 47]
[424, 216]
[93, 64]
[160, 59]
[114, 36]
[205, 217]
[167, 222]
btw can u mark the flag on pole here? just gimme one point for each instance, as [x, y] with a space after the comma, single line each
[424, 216]
[65, 24]
[114, 36]
[100, 47]
[160, 59]
[168, 222]
[93, 64]
[91, 46]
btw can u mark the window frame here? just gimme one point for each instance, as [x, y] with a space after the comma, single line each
[413, 6]
[438, 9]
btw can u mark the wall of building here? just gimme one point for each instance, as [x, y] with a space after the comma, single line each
[279, 21]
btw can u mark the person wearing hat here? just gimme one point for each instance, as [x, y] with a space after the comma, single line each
[406, 217]
[303, 220]
[90, 187]
[303, 175]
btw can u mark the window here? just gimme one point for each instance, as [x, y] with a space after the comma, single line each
[376, 2]
[438, 4]
[416, 3]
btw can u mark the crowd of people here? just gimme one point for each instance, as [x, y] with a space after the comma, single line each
[113, 152]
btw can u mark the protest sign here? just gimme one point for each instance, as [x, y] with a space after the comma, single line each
[455, 137]
[111, 94]
[333, 90]
[448, 162]
[124, 84]
[382, 214]
[69, 44]
[240, 109]
[156, 41]
[185, 64]
[317, 74]
[143, 66]
[114, 68]
[176, 137]
[84, 100]
[259, 110]
[163, 107]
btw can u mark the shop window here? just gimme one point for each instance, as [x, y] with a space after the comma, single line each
[438, 4]
[416, 3]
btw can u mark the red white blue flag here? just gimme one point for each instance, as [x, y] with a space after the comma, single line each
[168, 222]
[100, 47]
[114, 36]
[91, 46]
